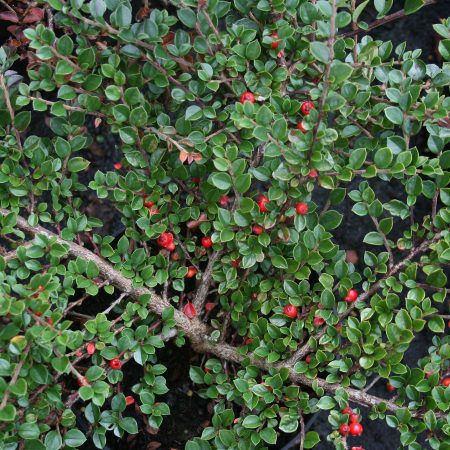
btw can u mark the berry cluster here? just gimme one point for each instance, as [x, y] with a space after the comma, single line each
[353, 427]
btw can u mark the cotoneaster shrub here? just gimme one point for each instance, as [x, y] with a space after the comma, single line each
[242, 127]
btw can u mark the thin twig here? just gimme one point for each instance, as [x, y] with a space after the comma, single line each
[10, 108]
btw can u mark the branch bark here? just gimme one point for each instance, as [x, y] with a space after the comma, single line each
[198, 333]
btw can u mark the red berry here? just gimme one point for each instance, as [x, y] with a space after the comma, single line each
[262, 204]
[165, 239]
[247, 97]
[235, 263]
[356, 429]
[39, 313]
[301, 127]
[153, 210]
[258, 229]
[209, 306]
[118, 166]
[50, 321]
[192, 271]
[195, 180]
[129, 400]
[247, 340]
[301, 208]
[90, 348]
[390, 387]
[352, 295]
[307, 107]
[78, 353]
[206, 369]
[308, 359]
[148, 203]
[115, 363]
[290, 311]
[446, 382]
[313, 173]
[82, 381]
[275, 41]
[170, 246]
[206, 242]
[344, 429]
[347, 410]
[189, 310]
[224, 200]
[318, 321]
[357, 448]
[354, 418]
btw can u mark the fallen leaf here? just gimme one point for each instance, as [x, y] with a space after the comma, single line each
[9, 16]
[33, 15]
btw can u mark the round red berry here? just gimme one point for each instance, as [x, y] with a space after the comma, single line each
[170, 246]
[247, 340]
[115, 364]
[352, 295]
[258, 229]
[313, 173]
[347, 410]
[354, 418]
[129, 400]
[301, 208]
[446, 382]
[224, 200]
[192, 271]
[247, 97]
[235, 263]
[206, 242]
[308, 359]
[357, 448]
[290, 311]
[390, 387]
[356, 429]
[318, 321]
[307, 107]
[165, 239]
[301, 127]
[118, 166]
[195, 180]
[262, 201]
[275, 41]
[344, 429]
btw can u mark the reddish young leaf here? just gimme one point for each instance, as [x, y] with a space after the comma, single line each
[189, 310]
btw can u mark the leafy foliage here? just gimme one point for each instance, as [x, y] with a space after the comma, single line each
[165, 89]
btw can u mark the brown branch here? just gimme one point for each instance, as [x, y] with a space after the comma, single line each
[380, 22]
[10, 108]
[198, 333]
[15, 376]
[202, 291]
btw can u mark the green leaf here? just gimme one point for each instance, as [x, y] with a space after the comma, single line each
[411, 6]
[221, 181]
[326, 402]
[311, 439]
[253, 50]
[8, 413]
[340, 71]
[268, 435]
[129, 424]
[192, 113]
[252, 421]
[394, 114]
[187, 17]
[383, 157]
[320, 51]
[77, 164]
[22, 120]
[74, 438]
[53, 440]
[373, 238]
